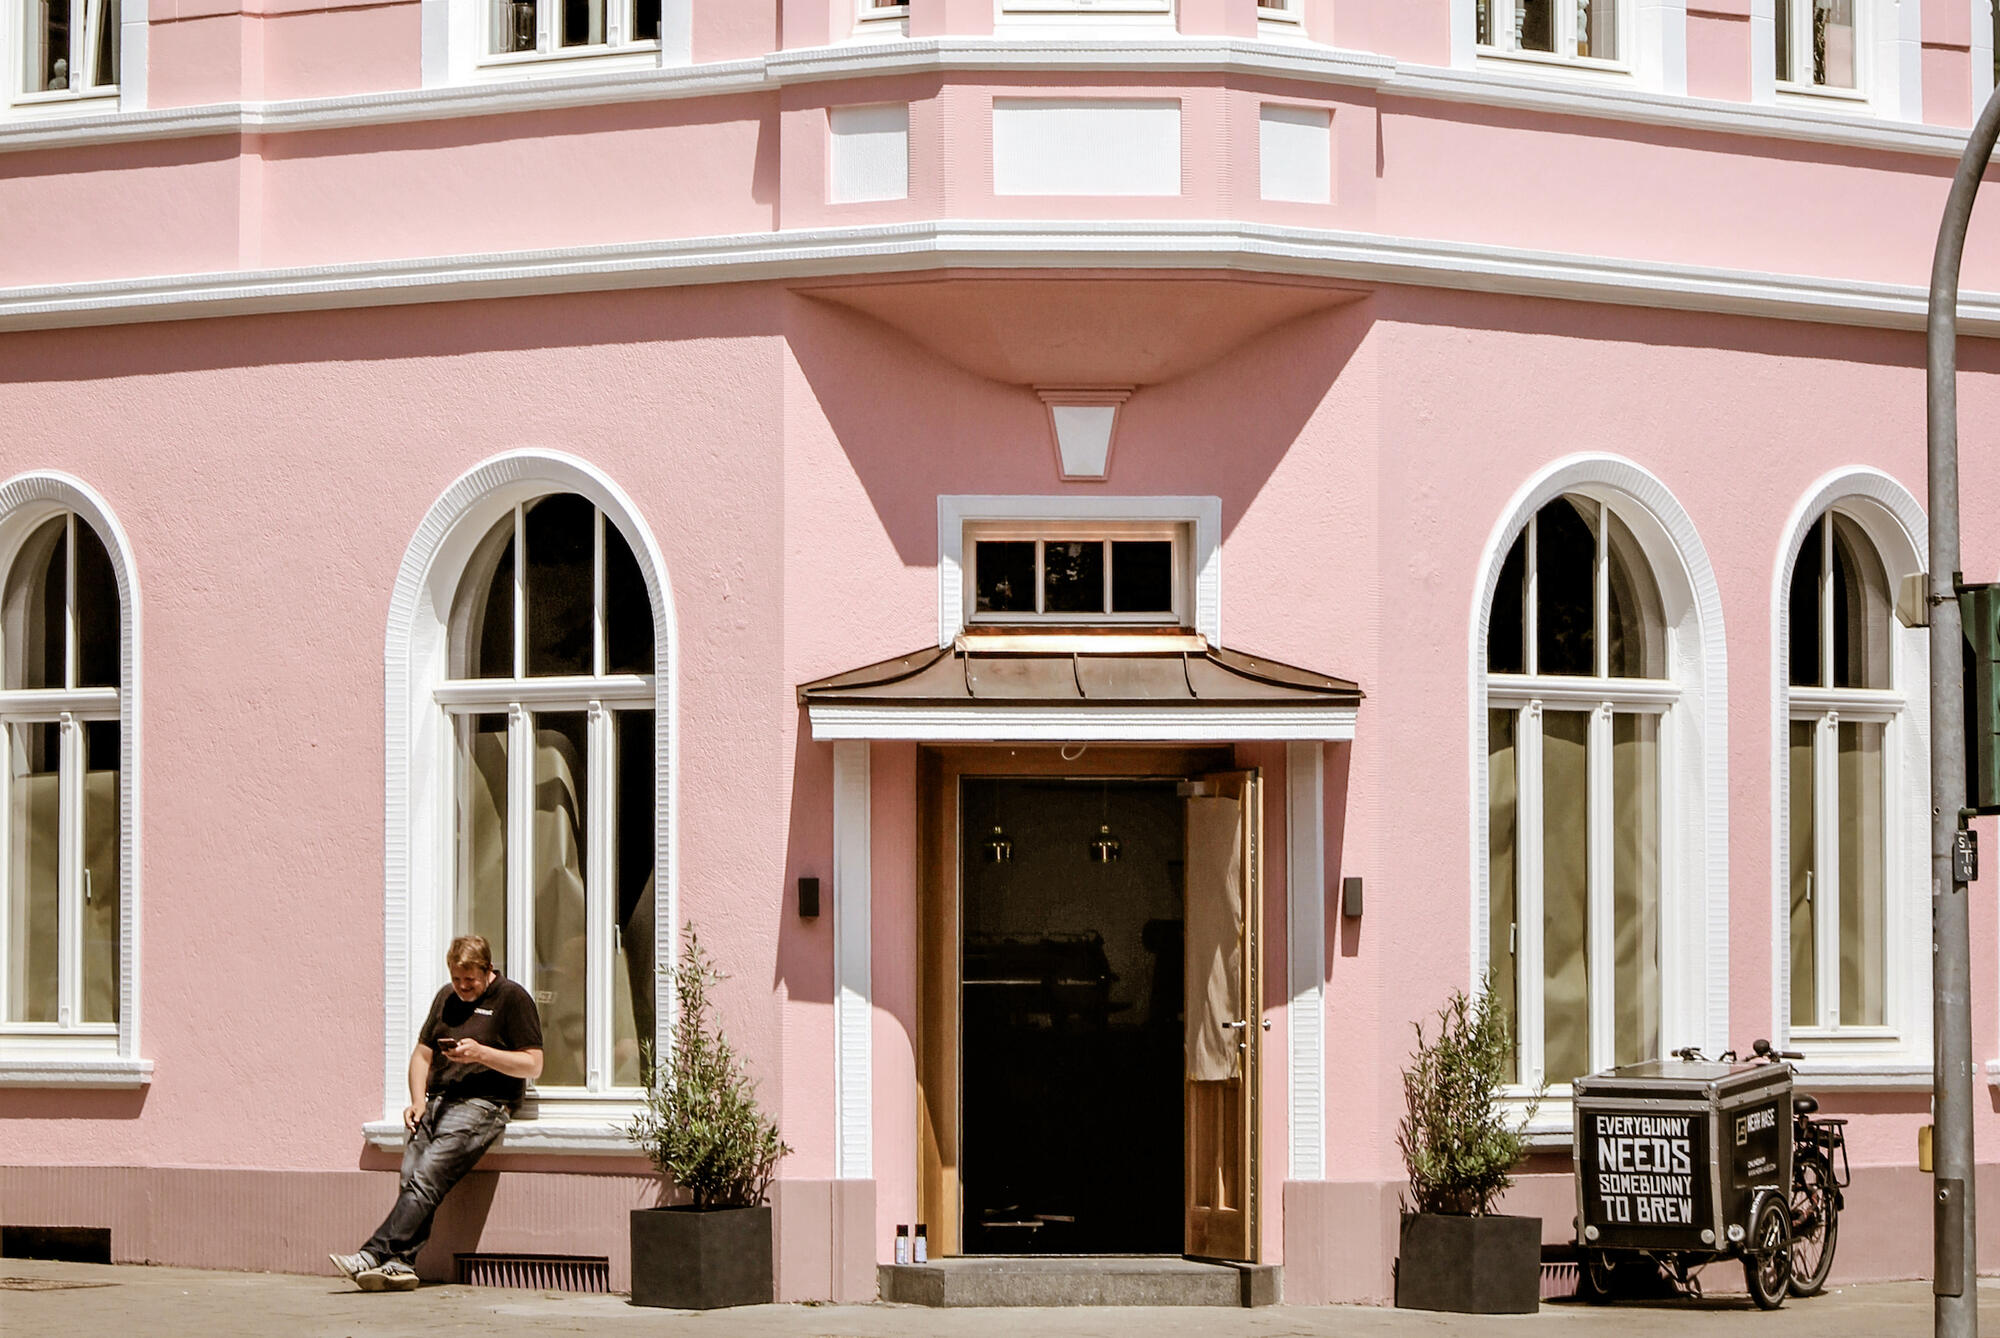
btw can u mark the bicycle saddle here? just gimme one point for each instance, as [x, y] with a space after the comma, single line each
[1803, 1104]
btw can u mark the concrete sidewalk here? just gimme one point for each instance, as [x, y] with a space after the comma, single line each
[51, 1300]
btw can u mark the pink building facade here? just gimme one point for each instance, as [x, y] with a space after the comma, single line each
[457, 454]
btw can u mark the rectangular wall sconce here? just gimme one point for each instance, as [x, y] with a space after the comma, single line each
[1350, 898]
[809, 898]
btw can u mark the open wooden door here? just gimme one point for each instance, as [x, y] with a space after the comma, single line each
[1224, 881]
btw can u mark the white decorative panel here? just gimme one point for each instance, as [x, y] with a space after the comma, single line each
[1083, 435]
[869, 156]
[853, 1002]
[1093, 146]
[1295, 153]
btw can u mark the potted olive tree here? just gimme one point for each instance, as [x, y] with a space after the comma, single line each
[704, 1131]
[1461, 1148]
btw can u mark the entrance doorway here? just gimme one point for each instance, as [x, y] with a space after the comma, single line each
[1089, 1012]
[1071, 1004]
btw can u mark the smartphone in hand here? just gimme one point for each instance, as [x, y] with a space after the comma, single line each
[446, 1044]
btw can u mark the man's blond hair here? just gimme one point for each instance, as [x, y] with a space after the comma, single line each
[469, 950]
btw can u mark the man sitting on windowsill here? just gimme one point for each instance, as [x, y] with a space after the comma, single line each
[487, 1033]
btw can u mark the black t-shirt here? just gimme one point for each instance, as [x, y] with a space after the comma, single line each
[504, 1017]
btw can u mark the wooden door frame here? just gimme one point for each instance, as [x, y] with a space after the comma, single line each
[940, 1197]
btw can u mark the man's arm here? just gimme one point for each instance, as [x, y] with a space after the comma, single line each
[514, 1063]
[420, 1078]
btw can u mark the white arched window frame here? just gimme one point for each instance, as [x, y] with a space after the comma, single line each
[419, 884]
[1650, 39]
[1897, 1052]
[71, 1052]
[1693, 747]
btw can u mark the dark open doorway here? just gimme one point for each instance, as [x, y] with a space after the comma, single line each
[1071, 1006]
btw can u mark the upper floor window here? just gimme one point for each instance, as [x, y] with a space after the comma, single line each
[61, 885]
[69, 47]
[1576, 696]
[1817, 43]
[550, 703]
[1566, 29]
[1130, 573]
[558, 27]
[1843, 714]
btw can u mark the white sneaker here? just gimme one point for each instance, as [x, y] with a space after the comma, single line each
[360, 1268]
[397, 1276]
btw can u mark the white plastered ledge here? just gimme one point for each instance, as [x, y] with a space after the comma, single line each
[109, 1072]
[588, 1138]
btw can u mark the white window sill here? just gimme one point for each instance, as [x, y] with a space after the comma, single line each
[44, 106]
[1828, 1075]
[558, 65]
[74, 1072]
[571, 1137]
[1547, 64]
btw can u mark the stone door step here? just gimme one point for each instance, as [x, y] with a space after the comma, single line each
[1072, 1280]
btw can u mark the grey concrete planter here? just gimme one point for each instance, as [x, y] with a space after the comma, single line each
[688, 1260]
[1470, 1265]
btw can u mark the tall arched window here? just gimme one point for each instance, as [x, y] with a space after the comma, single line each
[550, 701]
[61, 885]
[1577, 687]
[1842, 711]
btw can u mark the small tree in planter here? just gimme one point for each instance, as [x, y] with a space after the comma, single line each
[1460, 1149]
[709, 1139]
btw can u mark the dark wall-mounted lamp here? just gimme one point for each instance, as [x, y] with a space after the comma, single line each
[1350, 898]
[809, 898]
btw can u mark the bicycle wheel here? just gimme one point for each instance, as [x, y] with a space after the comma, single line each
[1767, 1254]
[1815, 1222]
[1596, 1277]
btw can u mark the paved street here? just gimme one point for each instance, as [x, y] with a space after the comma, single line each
[50, 1300]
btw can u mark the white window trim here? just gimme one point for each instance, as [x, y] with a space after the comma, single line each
[417, 898]
[1654, 56]
[871, 23]
[1694, 754]
[99, 1056]
[1062, 20]
[1982, 57]
[128, 94]
[1052, 532]
[455, 47]
[1202, 517]
[1898, 1054]
[1888, 59]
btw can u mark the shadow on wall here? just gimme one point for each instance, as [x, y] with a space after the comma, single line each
[35, 1103]
[1220, 430]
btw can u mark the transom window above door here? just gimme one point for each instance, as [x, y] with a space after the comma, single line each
[1125, 574]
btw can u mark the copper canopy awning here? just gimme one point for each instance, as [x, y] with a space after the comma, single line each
[1144, 687]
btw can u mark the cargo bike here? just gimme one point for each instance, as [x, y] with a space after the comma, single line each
[1685, 1161]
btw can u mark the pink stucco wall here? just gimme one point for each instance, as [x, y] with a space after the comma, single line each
[787, 452]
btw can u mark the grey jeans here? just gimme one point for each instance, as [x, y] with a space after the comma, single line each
[448, 1141]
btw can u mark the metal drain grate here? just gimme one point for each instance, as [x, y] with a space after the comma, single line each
[536, 1272]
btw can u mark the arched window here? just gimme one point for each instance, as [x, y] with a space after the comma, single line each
[61, 884]
[1577, 688]
[550, 702]
[1843, 709]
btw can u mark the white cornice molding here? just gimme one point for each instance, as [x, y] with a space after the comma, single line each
[1256, 248]
[1328, 66]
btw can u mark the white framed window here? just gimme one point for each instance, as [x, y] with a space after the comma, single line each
[529, 781]
[1132, 573]
[68, 993]
[471, 40]
[71, 57]
[550, 709]
[1841, 56]
[1851, 789]
[1289, 13]
[1576, 691]
[1058, 18]
[1586, 31]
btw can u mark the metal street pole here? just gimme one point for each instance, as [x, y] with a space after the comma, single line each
[1954, 1283]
